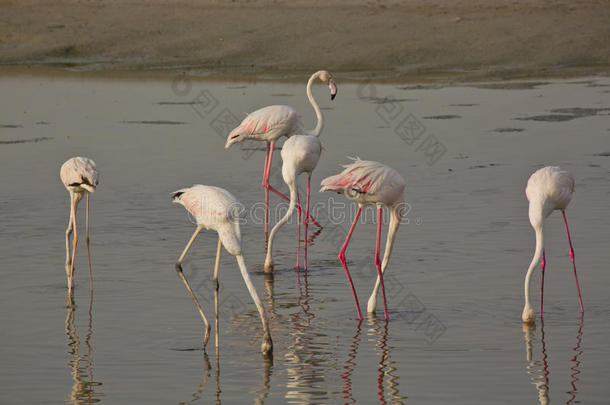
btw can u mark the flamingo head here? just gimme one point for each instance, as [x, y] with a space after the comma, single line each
[528, 314]
[326, 77]
[237, 135]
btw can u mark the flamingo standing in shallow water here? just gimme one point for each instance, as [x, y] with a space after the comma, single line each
[548, 189]
[300, 154]
[217, 209]
[270, 123]
[80, 176]
[368, 182]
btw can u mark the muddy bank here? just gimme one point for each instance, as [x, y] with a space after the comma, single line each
[438, 38]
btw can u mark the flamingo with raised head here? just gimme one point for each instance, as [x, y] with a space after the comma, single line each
[367, 182]
[217, 209]
[270, 123]
[300, 154]
[80, 176]
[548, 189]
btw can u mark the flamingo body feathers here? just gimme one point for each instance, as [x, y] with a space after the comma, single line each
[79, 174]
[267, 124]
[300, 154]
[367, 182]
[214, 208]
[548, 189]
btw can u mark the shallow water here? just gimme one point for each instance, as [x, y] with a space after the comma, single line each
[454, 282]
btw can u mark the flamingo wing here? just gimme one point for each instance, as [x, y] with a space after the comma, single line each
[266, 124]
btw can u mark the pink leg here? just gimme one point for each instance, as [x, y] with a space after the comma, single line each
[582, 310]
[306, 220]
[378, 264]
[542, 265]
[342, 259]
[265, 181]
[298, 231]
[88, 250]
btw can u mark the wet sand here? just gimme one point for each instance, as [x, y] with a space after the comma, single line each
[417, 39]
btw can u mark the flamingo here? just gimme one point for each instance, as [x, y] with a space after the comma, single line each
[80, 176]
[300, 154]
[368, 182]
[548, 189]
[270, 123]
[217, 209]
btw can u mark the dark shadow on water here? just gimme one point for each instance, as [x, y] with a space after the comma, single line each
[31, 140]
[81, 365]
[442, 117]
[566, 114]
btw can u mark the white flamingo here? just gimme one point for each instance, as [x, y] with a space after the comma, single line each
[300, 154]
[268, 124]
[368, 182]
[80, 176]
[548, 189]
[217, 209]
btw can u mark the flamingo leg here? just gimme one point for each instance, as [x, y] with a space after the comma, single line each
[88, 249]
[343, 262]
[265, 182]
[542, 266]
[74, 240]
[68, 233]
[306, 221]
[216, 287]
[217, 262]
[378, 263]
[269, 187]
[298, 230]
[206, 335]
[582, 310]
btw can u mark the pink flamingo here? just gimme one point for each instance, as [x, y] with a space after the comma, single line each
[368, 182]
[300, 154]
[80, 176]
[217, 209]
[548, 189]
[270, 123]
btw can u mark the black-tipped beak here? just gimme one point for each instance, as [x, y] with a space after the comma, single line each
[333, 89]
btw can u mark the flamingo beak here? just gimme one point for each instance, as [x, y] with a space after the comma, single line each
[333, 88]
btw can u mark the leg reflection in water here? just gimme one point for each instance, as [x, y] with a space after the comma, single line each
[539, 369]
[350, 365]
[81, 365]
[575, 368]
[386, 370]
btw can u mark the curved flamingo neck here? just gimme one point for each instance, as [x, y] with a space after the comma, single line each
[320, 123]
[395, 218]
[534, 262]
[281, 222]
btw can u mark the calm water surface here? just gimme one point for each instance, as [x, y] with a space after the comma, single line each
[454, 282]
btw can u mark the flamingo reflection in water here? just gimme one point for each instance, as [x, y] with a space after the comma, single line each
[539, 369]
[267, 360]
[83, 387]
[308, 352]
[386, 372]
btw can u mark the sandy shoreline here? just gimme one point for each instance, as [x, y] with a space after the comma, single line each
[438, 39]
